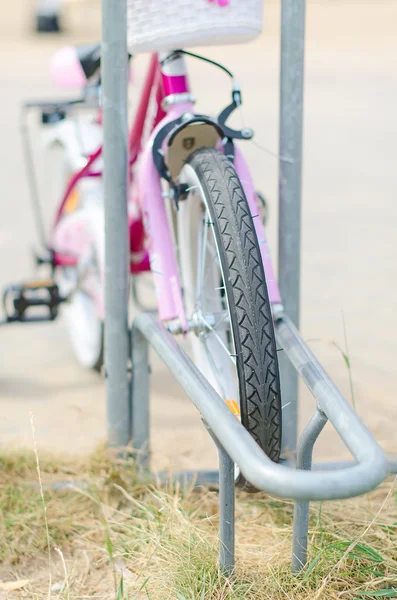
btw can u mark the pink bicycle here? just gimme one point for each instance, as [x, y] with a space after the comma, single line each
[194, 218]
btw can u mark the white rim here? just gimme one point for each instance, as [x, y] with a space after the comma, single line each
[85, 329]
[211, 344]
[84, 324]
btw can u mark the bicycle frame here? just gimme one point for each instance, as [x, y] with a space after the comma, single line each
[151, 244]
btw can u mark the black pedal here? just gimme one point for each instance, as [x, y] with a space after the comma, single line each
[34, 301]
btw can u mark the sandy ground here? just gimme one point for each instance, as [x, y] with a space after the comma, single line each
[349, 222]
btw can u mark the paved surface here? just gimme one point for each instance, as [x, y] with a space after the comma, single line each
[349, 225]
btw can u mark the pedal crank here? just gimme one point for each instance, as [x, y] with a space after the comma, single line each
[32, 301]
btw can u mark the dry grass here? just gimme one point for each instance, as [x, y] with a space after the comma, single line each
[119, 538]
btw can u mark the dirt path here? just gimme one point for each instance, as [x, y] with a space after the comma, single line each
[349, 224]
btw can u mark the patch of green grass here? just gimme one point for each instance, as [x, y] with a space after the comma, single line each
[126, 540]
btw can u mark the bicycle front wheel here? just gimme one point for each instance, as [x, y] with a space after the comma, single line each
[226, 297]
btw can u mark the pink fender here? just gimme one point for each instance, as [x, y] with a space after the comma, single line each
[159, 243]
[161, 249]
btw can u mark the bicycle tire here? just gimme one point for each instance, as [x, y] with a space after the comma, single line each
[245, 288]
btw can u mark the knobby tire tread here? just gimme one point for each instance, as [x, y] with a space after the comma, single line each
[245, 284]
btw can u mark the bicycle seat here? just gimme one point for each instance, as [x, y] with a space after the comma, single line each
[73, 66]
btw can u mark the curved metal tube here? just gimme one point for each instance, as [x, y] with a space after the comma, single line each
[372, 467]
[304, 457]
[330, 400]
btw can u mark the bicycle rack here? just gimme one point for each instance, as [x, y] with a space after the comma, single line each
[235, 445]
[128, 404]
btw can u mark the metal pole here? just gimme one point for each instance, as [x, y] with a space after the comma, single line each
[140, 417]
[290, 180]
[301, 509]
[114, 99]
[226, 512]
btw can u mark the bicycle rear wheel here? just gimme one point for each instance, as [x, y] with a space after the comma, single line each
[226, 297]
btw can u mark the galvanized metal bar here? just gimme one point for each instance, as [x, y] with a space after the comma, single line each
[290, 185]
[301, 510]
[140, 403]
[115, 125]
[226, 478]
[371, 467]
[226, 512]
[347, 464]
[345, 420]
[212, 477]
[204, 477]
[308, 438]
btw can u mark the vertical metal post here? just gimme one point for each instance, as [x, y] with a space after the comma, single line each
[301, 508]
[115, 121]
[290, 182]
[140, 417]
[226, 512]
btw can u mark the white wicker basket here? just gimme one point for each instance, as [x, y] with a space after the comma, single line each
[158, 25]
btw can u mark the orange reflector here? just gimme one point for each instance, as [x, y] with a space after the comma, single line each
[72, 201]
[233, 406]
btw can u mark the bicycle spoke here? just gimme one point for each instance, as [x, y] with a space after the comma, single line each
[215, 370]
[216, 317]
[203, 252]
[210, 306]
[214, 258]
[221, 342]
